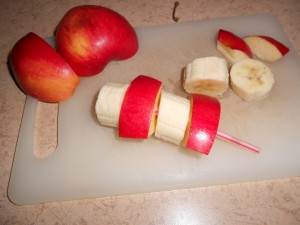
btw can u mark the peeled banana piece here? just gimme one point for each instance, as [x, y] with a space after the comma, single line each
[173, 117]
[109, 102]
[208, 75]
[251, 79]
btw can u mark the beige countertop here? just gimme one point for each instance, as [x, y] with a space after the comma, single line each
[263, 202]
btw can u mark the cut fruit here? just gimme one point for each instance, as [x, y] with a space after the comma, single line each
[40, 71]
[109, 102]
[91, 36]
[208, 75]
[134, 108]
[204, 121]
[251, 79]
[137, 116]
[173, 117]
[266, 48]
[232, 47]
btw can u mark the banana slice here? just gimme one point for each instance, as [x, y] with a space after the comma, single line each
[251, 79]
[173, 117]
[208, 75]
[109, 102]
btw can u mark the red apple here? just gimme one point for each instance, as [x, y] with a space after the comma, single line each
[204, 122]
[266, 48]
[137, 115]
[40, 71]
[232, 47]
[89, 37]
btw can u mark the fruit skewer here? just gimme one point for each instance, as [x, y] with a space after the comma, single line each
[141, 109]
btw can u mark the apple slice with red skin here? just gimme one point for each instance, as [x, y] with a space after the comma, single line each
[91, 36]
[232, 46]
[40, 71]
[266, 48]
[204, 122]
[137, 115]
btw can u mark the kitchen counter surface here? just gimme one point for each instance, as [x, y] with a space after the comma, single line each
[263, 202]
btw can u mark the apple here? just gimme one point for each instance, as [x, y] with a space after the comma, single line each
[40, 71]
[90, 36]
[266, 48]
[232, 47]
[138, 111]
[204, 122]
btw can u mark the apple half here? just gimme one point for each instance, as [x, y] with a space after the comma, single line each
[203, 125]
[232, 47]
[40, 71]
[138, 111]
[90, 36]
[266, 48]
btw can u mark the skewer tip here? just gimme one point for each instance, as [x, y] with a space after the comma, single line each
[238, 141]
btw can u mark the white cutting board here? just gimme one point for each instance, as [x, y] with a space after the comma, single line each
[91, 161]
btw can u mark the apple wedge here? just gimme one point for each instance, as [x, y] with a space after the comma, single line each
[232, 47]
[203, 124]
[138, 111]
[40, 71]
[266, 48]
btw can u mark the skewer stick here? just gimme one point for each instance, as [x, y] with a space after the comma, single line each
[238, 141]
[231, 139]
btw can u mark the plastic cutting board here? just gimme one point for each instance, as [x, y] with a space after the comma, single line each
[91, 161]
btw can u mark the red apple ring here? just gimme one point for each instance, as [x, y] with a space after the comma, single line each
[204, 122]
[137, 115]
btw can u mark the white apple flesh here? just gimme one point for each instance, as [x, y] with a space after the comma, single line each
[266, 48]
[232, 47]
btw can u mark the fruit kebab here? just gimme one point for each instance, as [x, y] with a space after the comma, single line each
[142, 108]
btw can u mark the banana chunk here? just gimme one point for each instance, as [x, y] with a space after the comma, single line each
[251, 79]
[109, 102]
[173, 117]
[208, 75]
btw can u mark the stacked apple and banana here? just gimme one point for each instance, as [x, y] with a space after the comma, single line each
[141, 109]
[250, 79]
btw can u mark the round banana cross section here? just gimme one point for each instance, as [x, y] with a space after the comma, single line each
[251, 79]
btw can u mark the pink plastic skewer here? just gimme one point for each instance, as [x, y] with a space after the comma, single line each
[232, 139]
[238, 141]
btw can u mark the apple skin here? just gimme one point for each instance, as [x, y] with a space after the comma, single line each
[205, 116]
[232, 41]
[232, 47]
[281, 47]
[40, 71]
[266, 48]
[138, 108]
[90, 36]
